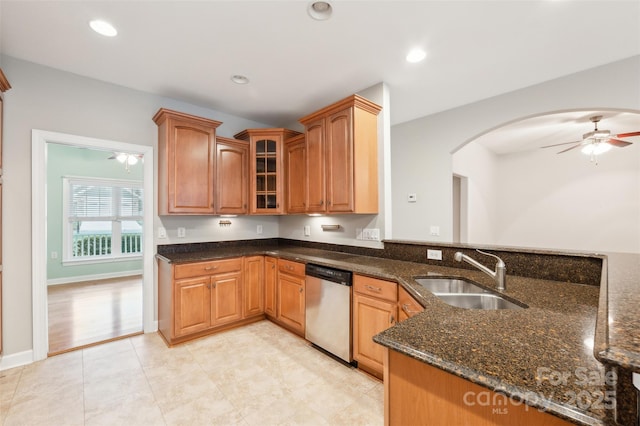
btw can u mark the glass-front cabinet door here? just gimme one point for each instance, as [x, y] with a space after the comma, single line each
[267, 168]
[266, 176]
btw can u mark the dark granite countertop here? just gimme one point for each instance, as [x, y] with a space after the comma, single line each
[543, 354]
[618, 327]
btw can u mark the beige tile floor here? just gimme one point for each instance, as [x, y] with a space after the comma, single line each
[259, 374]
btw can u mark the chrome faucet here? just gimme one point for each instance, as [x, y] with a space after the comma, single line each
[499, 275]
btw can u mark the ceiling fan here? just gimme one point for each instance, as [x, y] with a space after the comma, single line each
[126, 158]
[597, 141]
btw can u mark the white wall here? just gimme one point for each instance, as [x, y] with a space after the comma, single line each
[478, 165]
[47, 99]
[421, 149]
[567, 202]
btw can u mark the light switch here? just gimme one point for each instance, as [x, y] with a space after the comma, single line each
[307, 230]
[412, 198]
[434, 230]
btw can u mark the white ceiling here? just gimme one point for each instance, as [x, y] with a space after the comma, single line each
[537, 132]
[189, 50]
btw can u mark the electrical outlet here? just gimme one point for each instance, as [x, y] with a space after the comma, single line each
[307, 231]
[434, 254]
[54, 254]
[259, 229]
[182, 232]
[371, 234]
[162, 232]
[435, 230]
[359, 234]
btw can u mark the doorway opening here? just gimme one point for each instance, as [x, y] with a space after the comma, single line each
[460, 206]
[102, 212]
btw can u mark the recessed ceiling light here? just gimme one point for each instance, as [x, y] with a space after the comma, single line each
[320, 10]
[239, 79]
[103, 27]
[416, 55]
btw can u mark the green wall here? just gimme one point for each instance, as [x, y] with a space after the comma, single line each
[63, 160]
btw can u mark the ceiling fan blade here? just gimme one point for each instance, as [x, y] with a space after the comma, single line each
[558, 144]
[627, 135]
[618, 143]
[570, 148]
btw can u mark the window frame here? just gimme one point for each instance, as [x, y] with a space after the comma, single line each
[116, 220]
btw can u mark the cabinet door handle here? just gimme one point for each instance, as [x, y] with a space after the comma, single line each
[300, 289]
[321, 202]
[393, 320]
[372, 288]
[210, 268]
[214, 285]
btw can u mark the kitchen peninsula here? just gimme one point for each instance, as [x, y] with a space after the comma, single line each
[517, 353]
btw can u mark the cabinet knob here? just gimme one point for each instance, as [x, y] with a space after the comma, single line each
[300, 289]
[321, 202]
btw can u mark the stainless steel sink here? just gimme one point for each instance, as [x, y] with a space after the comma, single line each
[464, 294]
[477, 301]
[449, 285]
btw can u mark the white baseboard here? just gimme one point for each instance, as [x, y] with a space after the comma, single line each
[16, 360]
[80, 278]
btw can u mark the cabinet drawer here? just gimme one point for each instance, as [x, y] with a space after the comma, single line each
[386, 290]
[207, 268]
[291, 268]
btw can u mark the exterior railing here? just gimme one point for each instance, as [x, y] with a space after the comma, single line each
[90, 245]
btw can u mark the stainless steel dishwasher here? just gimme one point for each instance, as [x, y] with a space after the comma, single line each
[328, 310]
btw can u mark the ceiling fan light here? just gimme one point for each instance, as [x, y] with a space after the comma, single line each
[132, 159]
[121, 157]
[596, 148]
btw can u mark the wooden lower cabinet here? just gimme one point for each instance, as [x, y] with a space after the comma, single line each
[374, 310]
[291, 296]
[270, 283]
[407, 305]
[254, 297]
[417, 393]
[192, 305]
[198, 298]
[226, 298]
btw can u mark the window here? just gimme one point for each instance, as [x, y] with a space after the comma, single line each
[102, 219]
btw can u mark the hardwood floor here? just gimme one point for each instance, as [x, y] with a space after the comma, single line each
[91, 312]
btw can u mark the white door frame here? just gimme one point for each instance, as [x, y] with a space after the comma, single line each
[39, 140]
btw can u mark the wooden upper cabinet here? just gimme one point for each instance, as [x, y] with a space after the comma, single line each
[340, 164]
[315, 176]
[232, 172]
[266, 170]
[295, 164]
[342, 153]
[186, 163]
